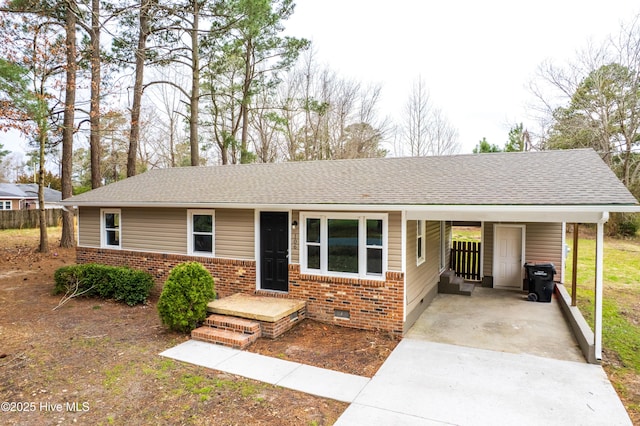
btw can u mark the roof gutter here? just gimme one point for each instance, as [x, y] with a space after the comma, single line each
[493, 213]
[621, 208]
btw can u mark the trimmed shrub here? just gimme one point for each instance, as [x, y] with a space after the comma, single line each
[184, 298]
[122, 284]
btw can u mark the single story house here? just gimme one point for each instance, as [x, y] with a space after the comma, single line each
[362, 241]
[24, 196]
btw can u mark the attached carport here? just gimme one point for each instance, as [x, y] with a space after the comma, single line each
[591, 344]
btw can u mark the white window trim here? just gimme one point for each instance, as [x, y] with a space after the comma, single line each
[362, 246]
[421, 241]
[103, 229]
[190, 251]
[443, 246]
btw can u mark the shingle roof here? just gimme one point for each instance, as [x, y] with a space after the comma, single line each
[10, 190]
[28, 190]
[570, 177]
[31, 191]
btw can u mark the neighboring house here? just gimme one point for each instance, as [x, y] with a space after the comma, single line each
[362, 241]
[24, 196]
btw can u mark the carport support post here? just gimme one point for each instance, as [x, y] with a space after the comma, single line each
[597, 317]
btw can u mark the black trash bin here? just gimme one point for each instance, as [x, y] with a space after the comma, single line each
[540, 279]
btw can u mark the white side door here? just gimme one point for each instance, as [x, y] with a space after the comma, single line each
[508, 255]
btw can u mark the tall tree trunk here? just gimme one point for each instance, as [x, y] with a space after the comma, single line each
[141, 54]
[244, 107]
[44, 238]
[195, 88]
[172, 152]
[94, 137]
[67, 238]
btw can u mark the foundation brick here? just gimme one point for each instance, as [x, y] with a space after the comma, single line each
[372, 304]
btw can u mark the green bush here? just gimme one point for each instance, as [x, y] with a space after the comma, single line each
[184, 298]
[123, 284]
[628, 228]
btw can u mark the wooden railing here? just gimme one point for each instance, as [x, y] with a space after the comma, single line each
[465, 259]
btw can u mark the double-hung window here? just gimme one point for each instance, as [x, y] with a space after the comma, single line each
[421, 242]
[111, 229]
[5, 205]
[201, 232]
[344, 244]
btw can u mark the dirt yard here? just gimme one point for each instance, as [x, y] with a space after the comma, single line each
[96, 362]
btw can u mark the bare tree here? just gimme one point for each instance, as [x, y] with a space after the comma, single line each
[425, 130]
[323, 116]
[594, 101]
[415, 123]
[167, 140]
[443, 136]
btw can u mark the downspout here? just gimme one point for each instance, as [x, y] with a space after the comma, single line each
[597, 316]
[403, 239]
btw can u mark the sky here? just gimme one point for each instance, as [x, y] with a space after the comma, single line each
[475, 57]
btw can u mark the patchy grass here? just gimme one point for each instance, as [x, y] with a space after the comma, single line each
[105, 355]
[27, 235]
[465, 233]
[620, 310]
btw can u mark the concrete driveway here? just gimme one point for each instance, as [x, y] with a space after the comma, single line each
[488, 359]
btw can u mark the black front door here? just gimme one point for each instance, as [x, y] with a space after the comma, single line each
[274, 251]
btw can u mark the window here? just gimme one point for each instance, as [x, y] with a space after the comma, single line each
[374, 246]
[443, 246]
[344, 244]
[110, 236]
[5, 205]
[313, 243]
[421, 242]
[200, 228]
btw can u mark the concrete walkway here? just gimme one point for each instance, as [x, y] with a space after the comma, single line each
[488, 359]
[292, 375]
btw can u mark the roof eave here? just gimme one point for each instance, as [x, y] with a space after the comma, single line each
[493, 212]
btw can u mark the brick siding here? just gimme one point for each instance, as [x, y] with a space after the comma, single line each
[372, 305]
[231, 275]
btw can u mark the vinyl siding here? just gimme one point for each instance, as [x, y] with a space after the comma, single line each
[487, 249]
[235, 234]
[89, 227]
[447, 243]
[423, 278]
[154, 229]
[394, 239]
[543, 243]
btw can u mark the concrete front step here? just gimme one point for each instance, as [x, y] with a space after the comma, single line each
[466, 289]
[451, 284]
[233, 339]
